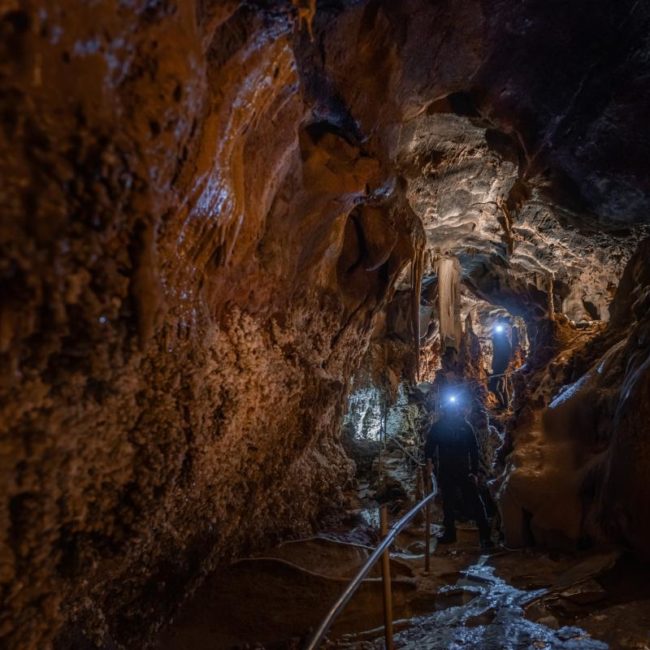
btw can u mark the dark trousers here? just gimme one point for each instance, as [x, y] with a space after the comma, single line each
[459, 492]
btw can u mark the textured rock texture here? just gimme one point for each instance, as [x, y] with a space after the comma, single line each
[513, 239]
[189, 273]
[204, 214]
[580, 452]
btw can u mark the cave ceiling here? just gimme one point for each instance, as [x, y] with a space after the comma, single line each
[511, 235]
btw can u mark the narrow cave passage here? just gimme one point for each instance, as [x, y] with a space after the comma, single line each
[260, 260]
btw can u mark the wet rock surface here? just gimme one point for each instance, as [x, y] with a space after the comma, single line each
[507, 599]
[204, 227]
[492, 619]
[576, 422]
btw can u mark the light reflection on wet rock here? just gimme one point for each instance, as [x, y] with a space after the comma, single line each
[491, 620]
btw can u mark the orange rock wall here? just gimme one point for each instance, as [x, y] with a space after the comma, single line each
[155, 418]
[190, 276]
[200, 225]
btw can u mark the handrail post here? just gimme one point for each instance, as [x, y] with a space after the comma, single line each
[427, 519]
[381, 552]
[385, 574]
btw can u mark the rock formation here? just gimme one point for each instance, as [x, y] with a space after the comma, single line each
[207, 215]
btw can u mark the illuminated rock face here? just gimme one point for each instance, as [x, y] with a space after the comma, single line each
[511, 235]
[202, 223]
[579, 457]
[188, 294]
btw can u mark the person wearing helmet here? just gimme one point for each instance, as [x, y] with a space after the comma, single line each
[451, 445]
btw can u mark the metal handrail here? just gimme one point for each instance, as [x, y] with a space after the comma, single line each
[355, 583]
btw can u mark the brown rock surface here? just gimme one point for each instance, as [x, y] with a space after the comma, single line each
[202, 222]
[175, 337]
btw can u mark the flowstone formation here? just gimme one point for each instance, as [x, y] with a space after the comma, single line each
[210, 210]
[578, 463]
[515, 242]
[512, 244]
[192, 259]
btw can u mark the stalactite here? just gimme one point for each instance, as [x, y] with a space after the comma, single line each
[306, 12]
[549, 290]
[417, 268]
[449, 303]
[507, 227]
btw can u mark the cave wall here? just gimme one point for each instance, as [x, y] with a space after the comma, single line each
[168, 322]
[194, 249]
[200, 225]
[579, 458]
[466, 181]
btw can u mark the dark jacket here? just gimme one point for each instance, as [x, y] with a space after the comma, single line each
[451, 444]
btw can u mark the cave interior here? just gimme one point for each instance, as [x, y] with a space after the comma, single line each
[249, 250]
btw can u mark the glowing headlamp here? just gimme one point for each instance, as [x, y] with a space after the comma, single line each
[452, 399]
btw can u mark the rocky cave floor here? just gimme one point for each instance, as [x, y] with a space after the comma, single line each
[518, 599]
